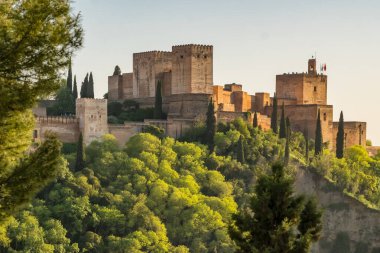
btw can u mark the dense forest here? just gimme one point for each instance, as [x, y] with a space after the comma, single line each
[165, 195]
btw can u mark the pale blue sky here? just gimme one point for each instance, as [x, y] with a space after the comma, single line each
[253, 41]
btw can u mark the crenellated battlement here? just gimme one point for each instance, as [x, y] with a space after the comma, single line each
[57, 120]
[154, 53]
[193, 47]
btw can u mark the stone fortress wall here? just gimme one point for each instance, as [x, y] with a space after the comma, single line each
[186, 74]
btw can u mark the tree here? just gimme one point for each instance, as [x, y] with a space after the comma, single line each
[318, 135]
[65, 102]
[210, 125]
[69, 80]
[37, 39]
[240, 150]
[90, 87]
[288, 127]
[307, 145]
[84, 88]
[117, 71]
[75, 89]
[273, 121]
[278, 221]
[283, 123]
[80, 159]
[158, 101]
[287, 151]
[255, 120]
[340, 137]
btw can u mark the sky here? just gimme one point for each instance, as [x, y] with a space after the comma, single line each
[253, 41]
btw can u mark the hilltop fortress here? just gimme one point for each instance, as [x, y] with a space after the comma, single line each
[186, 73]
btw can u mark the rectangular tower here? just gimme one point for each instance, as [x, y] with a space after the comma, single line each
[92, 115]
[302, 88]
[192, 69]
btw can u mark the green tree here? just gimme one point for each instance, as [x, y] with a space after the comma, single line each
[75, 89]
[158, 101]
[117, 71]
[37, 39]
[278, 220]
[288, 127]
[340, 137]
[307, 145]
[240, 150]
[69, 80]
[65, 102]
[80, 159]
[318, 135]
[274, 121]
[283, 127]
[255, 120]
[210, 125]
[84, 88]
[90, 87]
[287, 151]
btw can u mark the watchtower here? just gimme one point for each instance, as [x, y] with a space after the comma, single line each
[312, 66]
[92, 115]
[192, 69]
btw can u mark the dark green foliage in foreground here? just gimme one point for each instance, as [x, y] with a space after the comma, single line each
[240, 150]
[210, 125]
[84, 88]
[154, 130]
[158, 101]
[318, 136]
[37, 39]
[340, 137]
[75, 89]
[275, 213]
[64, 103]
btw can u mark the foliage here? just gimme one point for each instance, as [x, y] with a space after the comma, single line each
[283, 125]
[340, 137]
[210, 125]
[318, 135]
[356, 173]
[64, 103]
[80, 158]
[255, 121]
[90, 87]
[114, 108]
[240, 150]
[75, 88]
[154, 130]
[273, 118]
[158, 101]
[117, 71]
[84, 88]
[277, 221]
[37, 39]
[69, 80]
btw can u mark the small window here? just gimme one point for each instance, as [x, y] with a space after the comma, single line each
[181, 56]
[205, 56]
[324, 117]
[315, 88]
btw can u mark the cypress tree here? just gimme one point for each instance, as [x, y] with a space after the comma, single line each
[283, 123]
[90, 87]
[210, 125]
[158, 101]
[273, 122]
[117, 71]
[240, 150]
[307, 145]
[288, 127]
[83, 88]
[69, 81]
[287, 151]
[75, 89]
[318, 135]
[79, 163]
[278, 219]
[340, 137]
[255, 121]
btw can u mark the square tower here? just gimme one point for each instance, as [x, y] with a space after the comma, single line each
[302, 88]
[192, 69]
[92, 115]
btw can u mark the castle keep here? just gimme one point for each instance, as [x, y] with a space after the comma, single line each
[186, 74]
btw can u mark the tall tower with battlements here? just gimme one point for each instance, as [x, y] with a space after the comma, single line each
[192, 69]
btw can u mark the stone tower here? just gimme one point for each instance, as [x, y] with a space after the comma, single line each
[92, 115]
[312, 66]
[192, 69]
